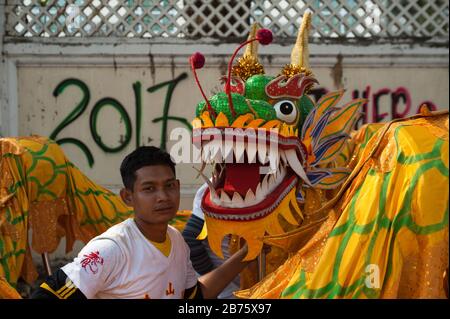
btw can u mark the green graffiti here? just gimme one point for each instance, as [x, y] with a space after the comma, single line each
[93, 124]
[80, 145]
[79, 109]
[165, 118]
[138, 108]
[93, 118]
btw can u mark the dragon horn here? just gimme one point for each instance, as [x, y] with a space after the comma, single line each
[300, 52]
[252, 47]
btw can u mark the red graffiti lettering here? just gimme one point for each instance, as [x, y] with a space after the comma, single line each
[376, 116]
[400, 93]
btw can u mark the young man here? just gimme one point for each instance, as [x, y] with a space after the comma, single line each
[142, 257]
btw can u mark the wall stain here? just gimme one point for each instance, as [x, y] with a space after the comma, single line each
[115, 63]
[172, 66]
[337, 72]
[152, 67]
[223, 67]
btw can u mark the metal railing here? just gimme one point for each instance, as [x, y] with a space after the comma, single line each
[225, 19]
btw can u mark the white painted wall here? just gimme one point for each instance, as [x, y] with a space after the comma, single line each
[40, 112]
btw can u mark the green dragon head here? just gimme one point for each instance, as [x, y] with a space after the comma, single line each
[266, 140]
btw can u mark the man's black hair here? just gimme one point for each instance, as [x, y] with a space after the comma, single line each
[140, 157]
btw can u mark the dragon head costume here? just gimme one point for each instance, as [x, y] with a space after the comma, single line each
[267, 141]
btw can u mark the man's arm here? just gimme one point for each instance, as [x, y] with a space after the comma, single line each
[90, 272]
[214, 282]
[199, 256]
[58, 286]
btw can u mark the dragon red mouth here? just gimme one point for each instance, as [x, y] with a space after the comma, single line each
[250, 177]
[253, 211]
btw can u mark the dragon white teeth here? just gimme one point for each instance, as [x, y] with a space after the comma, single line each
[272, 184]
[216, 201]
[274, 159]
[251, 152]
[277, 177]
[259, 194]
[237, 200]
[262, 153]
[239, 152]
[224, 197]
[257, 214]
[250, 198]
[219, 151]
[269, 183]
[295, 164]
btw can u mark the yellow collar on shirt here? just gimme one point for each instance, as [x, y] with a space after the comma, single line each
[163, 247]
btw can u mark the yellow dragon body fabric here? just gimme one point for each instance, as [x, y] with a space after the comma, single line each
[386, 232]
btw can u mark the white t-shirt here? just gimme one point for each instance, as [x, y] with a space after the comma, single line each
[123, 263]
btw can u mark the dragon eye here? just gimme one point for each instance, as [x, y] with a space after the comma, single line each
[286, 111]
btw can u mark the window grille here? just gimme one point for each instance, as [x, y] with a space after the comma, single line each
[225, 18]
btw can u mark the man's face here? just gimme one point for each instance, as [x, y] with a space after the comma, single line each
[155, 196]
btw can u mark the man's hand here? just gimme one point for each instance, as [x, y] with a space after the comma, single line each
[215, 281]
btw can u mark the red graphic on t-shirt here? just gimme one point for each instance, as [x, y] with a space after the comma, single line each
[92, 260]
[170, 290]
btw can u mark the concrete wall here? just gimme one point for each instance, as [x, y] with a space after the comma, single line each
[392, 91]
